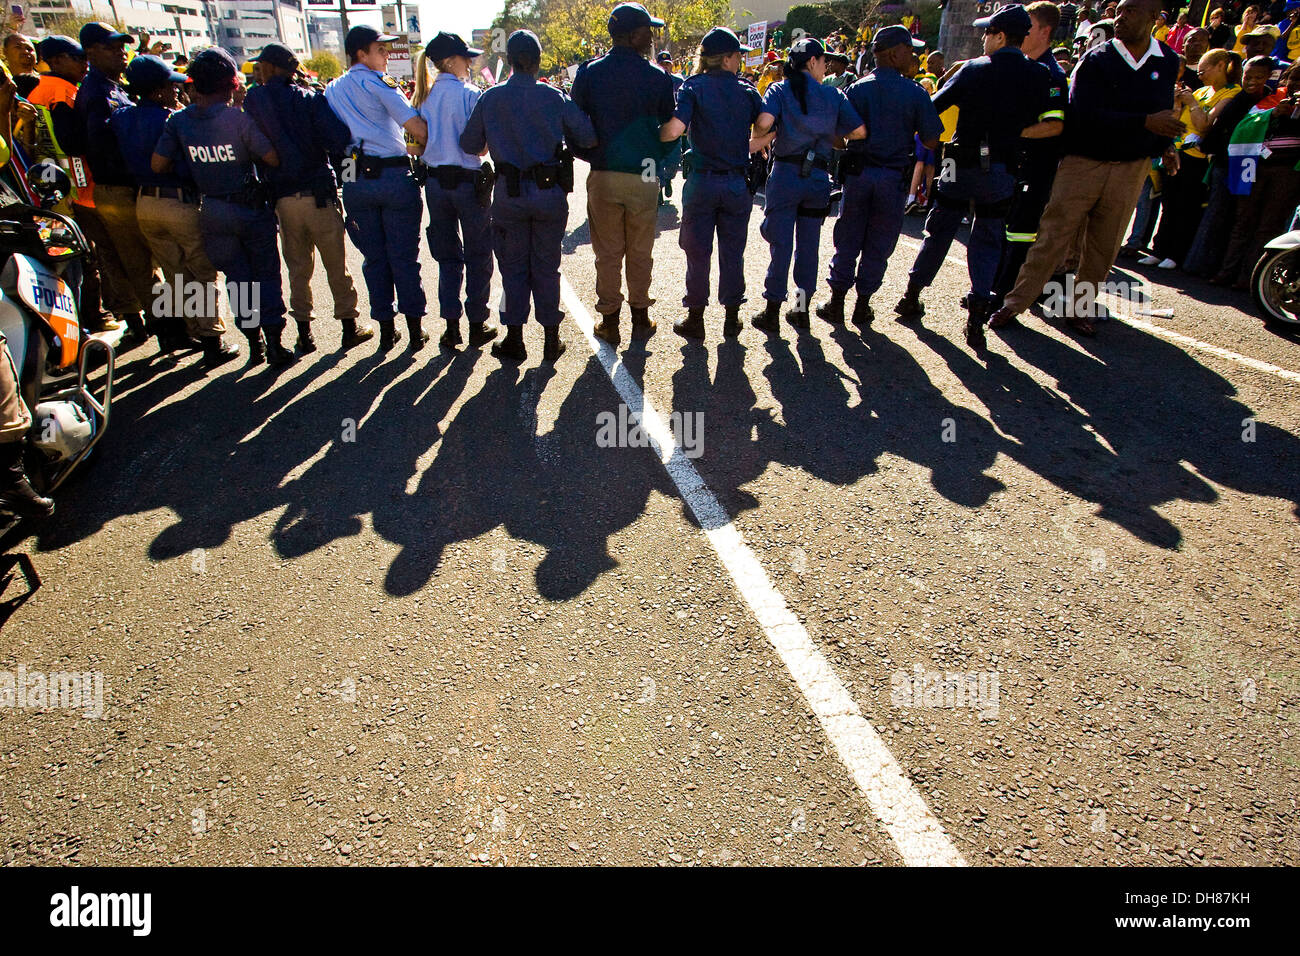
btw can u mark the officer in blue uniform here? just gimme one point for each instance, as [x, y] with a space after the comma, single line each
[524, 124]
[719, 111]
[379, 189]
[807, 118]
[220, 144]
[877, 171]
[457, 188]
[673, 161]
[999, 95]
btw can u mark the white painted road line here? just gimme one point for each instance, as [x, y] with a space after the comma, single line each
[920, 839]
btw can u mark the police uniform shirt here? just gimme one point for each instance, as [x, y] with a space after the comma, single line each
[523, 122]
[829, 115]
[138, 129]
[998, 96]
[895, 110]
[304, 130]
[217, 143]
[447, 109]
[718, 110]
[627, 99]
[97, 98]
[374, 109]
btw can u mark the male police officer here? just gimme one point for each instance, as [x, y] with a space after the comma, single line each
[525, 124]
[877, 171]
[627, 99]
[379, 189]
[305, 132]
[999, 95]
[219, 143]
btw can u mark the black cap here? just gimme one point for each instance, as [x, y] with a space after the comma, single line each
[720, 40]
[210, 68]
[57, 45]
[889, 37]
[100, 32]
[842, 57]
[277, 54]
[806, 48]
[627, 17]
[664, 57]
[523, 42]
[145, 73]
[444, 45]
[360, 37]
[1011, 19]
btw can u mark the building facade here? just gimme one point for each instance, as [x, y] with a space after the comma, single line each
[184, 24]
[245, 26]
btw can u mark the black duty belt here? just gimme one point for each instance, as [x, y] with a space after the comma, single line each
[388, 162]
[718, 172]
[818, 163]
[167, 192]
[457, 174]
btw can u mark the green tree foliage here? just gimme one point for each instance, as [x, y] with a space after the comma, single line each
[325, 65]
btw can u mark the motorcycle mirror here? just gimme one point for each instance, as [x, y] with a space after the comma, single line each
[49, 181]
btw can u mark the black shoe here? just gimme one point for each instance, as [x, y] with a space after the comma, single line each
[832, 311]
[136, 331]
[553, 347]
[769, 320]
[277, 356]
[217, 352]
[863, 314]
[978, 311]
[642, 325]
[17, 496]
[910, 308]
[732, 325]
[511, 348]
[306, 341]
[354, 335]
[691, 327]
[389, 335]
[419, 337]
[480, 334]
[606, 329]
[450, 337]
[256, 350]
[799, 319]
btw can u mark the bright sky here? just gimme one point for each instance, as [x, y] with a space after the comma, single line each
[457, 16]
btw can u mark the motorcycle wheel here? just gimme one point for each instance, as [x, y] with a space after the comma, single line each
[1275, 284]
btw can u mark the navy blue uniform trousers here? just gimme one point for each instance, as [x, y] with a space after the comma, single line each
[987, 189]
[383, 221]
[722, 204]
[870, 220]
[789, 234]
[527, 232]
[460, 241]
[241, 244]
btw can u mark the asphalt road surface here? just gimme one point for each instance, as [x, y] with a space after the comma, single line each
[909, 605]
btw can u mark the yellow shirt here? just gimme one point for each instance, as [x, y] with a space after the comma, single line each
[1208, 99]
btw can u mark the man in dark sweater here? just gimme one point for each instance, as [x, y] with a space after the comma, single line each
[1120, 117]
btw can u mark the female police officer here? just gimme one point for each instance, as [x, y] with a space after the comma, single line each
[807, 118]
[720, 112]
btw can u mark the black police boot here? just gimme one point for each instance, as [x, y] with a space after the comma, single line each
[306, 342]
[691, 327]
[511, 348]
[799, 318]
[607, 328]
[863, 314]
[136, 332]
[354, 335]
[769, 320]
[277, 356]
[17, 496]
[833, 311]
[480, 334]
[642, 325]
[552, 348]
[978, 310]
[414, 327]
[216, 352]
[389, 335]
[731, 326]
[910, 308]
[450, 337]
[256, 351]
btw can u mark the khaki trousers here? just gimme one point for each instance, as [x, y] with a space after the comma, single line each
[1091, 196]
[623, 215]
[15, 419]
[125, 262]
[171, 228]
[305, 228]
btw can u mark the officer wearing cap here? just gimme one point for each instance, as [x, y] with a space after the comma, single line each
[220, 143]
[672, 162]
[457, 190]
[806, 118]
[999, 95]
[111, 224]
[167, 209]
[305, 133]
[628, 99]
[525, 124]
[379, 188]
[838, 73]
[877, 171]
[719, 111]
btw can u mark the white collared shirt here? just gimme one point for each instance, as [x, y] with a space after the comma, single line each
[1152, 50]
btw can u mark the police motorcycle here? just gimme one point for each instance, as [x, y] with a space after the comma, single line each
[40, 252]
[1275, 281]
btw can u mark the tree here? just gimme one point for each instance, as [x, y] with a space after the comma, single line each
[325, 65]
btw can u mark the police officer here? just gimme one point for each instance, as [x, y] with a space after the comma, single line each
[167, 209]
[877, 171]
[219, 143]
[524, 124]
[999, 95]
[305, 133]
[672, 163]
[807, 118]
[719, 111]
[379, 188]
[457, 190]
